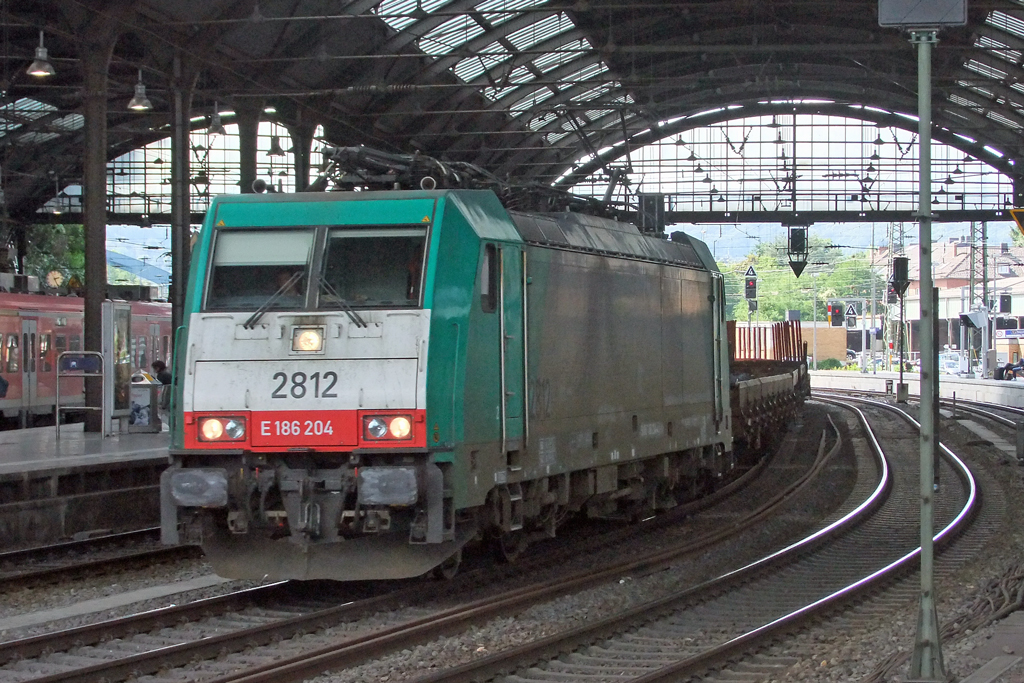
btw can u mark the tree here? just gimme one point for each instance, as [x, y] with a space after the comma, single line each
[1017, 237]
[778, 290]
[59, 247]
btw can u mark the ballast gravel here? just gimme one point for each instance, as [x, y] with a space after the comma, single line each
[826, 653]
[29, 600]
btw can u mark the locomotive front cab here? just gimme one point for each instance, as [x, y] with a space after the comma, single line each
[300, 450]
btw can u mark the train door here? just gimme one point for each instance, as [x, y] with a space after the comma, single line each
[721, 345]
[513, 350]
[29, 370]
[154, 345]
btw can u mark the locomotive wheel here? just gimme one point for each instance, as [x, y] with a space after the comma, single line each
[509, 546]
[449, 568]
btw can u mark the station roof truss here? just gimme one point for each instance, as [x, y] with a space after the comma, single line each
[523, 88]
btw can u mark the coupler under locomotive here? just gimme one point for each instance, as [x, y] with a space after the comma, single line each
[278, 516]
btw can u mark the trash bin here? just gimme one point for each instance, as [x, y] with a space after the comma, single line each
[145, 399]
[888, 386]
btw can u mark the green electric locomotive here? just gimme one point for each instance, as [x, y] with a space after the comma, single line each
[368, 381]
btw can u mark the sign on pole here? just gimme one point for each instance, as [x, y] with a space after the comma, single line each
[750, 272]
[1009, 334]
[922, 13]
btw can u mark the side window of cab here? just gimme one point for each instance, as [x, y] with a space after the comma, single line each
[489, 279]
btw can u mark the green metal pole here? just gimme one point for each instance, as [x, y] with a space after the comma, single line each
[926, 664]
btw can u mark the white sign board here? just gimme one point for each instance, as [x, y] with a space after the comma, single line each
[851, 310]
[750, 272]
[922, 13]
[1009, 334]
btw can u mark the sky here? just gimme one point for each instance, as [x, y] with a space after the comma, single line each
[727, 242]
[730, 242]
[151, 246]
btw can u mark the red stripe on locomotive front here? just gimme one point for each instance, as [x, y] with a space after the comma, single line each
[318, 430]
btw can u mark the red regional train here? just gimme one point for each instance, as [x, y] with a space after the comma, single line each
[36, 328]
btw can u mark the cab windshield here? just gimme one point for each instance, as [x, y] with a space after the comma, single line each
[250, 267]
[373, 266]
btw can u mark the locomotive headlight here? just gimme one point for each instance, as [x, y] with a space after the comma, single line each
[235, 429]
[307, 339]
[400, 427]
[377, 428]
[387, 427]
[212, 429]
[221, 428]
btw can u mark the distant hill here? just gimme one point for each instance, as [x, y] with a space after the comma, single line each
[141, 269]
[734, 242]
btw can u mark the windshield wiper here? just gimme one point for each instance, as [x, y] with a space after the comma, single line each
[255, 317]
[326, 286]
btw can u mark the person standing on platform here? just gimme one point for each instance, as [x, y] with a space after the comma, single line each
[163, 375]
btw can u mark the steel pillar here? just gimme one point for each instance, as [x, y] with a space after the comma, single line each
[926, 663]
[247, 114]
[96, 49]
[302, 142]
[182, 85]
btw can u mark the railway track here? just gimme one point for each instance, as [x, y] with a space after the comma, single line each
[670, 639]
[58, 562]
[106, 652]
[1007, 416]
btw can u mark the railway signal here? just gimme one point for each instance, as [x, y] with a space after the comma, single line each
[851, 317]
[750, 288]
[835, 314]
[900, 275]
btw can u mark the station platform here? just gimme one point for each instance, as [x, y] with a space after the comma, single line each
[1002, 392]
[23, 451]
[52, 490]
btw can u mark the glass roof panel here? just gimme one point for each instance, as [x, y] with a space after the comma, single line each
[25, 110]
[399, 14]
[509, 82]
[577, 77]
[495, 94]
[521, 74]
[985, 69]
[69, 123]
[999, 118]
[964, 102]
[562, 55]
[35, 138]
[453, 33]
[1007, 23]
[999, 49]
[970, 85]
[472, 68]
[539, 31]
[541, 120]
[531, 100]
[497, 12]
[594, 93]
